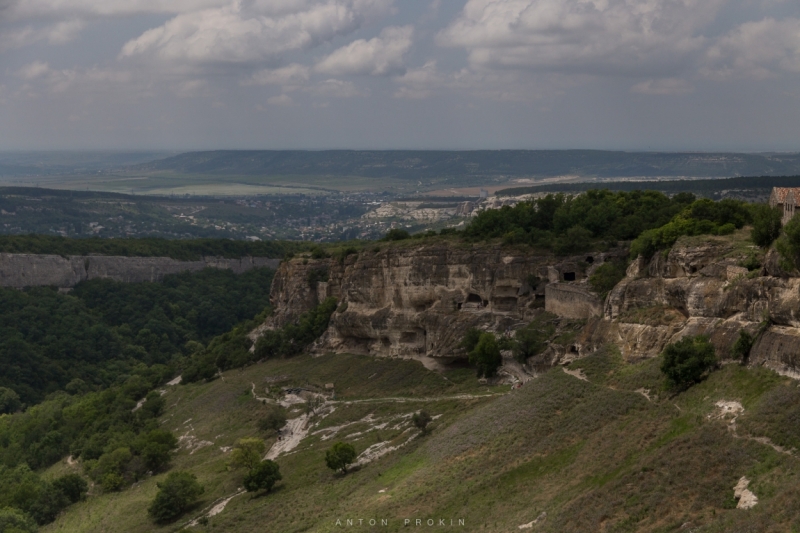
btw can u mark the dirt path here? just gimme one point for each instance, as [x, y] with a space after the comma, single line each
[411, 400]
[217, 507]
[575, 373]
[292, 433]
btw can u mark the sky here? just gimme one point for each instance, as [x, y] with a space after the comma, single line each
[700, 75]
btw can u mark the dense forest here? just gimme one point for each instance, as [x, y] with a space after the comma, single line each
[568, 224]
[88, 338]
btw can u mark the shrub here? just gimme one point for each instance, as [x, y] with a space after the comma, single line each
[72, 486]
[686, 361]
[396, 234]
[766, 224]
[15, 521]
[529, 341]
[471, 338]
[262, 476]
[741, 348]
[340, 456]
[486, 355]
[155, 448]
[9, 401]
[606, 277]
[292, 339]
[247, 453]
[789, 245]
[273, 421]
[175, 495]
[421, 420]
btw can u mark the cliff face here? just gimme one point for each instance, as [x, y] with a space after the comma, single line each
[699, 288]
[28, 270]
[418, 300]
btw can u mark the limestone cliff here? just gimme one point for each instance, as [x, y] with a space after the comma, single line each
[416, 300]
[27, 270]
[699, 287]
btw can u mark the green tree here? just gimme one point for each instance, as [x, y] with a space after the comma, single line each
[421, 420]
[766, 224]
[529, 341]
[247, 453]
[156, 447]
[686, 361]
[396, 234]
[72, 486]
[175, 495]
[606, 277]
[15, 521]
[741, 348]
[9, 401]
[486, 356]
[263, 476]
[340, 456]
[788, 245]
[470, 339]
[274, 420]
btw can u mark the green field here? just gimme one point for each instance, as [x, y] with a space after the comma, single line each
[171, 183]
[579, 455]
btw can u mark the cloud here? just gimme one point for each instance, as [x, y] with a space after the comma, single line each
[334, 88]
[281, 100]
[250, 33]
[293, 74]
[58, 33]
[664, 86]
[756, 49]
[34, 70]
[379, 56]
[60, 80]
[27, 9]
[612, 37]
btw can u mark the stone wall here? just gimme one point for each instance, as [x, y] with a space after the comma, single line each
[29, 270]
[571, 301]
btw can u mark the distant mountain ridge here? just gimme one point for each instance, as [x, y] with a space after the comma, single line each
[422, 164]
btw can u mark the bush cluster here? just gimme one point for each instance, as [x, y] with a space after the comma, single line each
[688, 360]
[569, 224]
[703, 217]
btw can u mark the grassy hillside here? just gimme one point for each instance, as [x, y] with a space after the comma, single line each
[611, 452]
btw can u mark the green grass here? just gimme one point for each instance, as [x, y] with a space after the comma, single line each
[595, 456]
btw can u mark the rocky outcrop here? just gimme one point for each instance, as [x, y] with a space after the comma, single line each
[699, 288]
[572, 301]
[28, 270]
[418, 300]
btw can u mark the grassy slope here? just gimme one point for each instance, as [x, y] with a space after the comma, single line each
[593, 455]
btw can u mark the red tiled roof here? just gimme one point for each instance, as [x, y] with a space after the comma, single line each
[782, 193]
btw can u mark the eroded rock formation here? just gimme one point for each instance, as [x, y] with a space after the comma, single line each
[417, 300]
[699, 288]
[30, 270]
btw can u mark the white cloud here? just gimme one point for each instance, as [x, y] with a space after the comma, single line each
[663, 86]
[334, 88]
[628, 37]
[378, 56]
[756, 49]
[25, 9]
[251, 33]
[294, 74]
[281, 100]
[34, 70]
[58, 33]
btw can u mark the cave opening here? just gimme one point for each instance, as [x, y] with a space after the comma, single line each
[569, 276]
[473, 298]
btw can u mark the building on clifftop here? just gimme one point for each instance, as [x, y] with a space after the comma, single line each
[787, 199]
